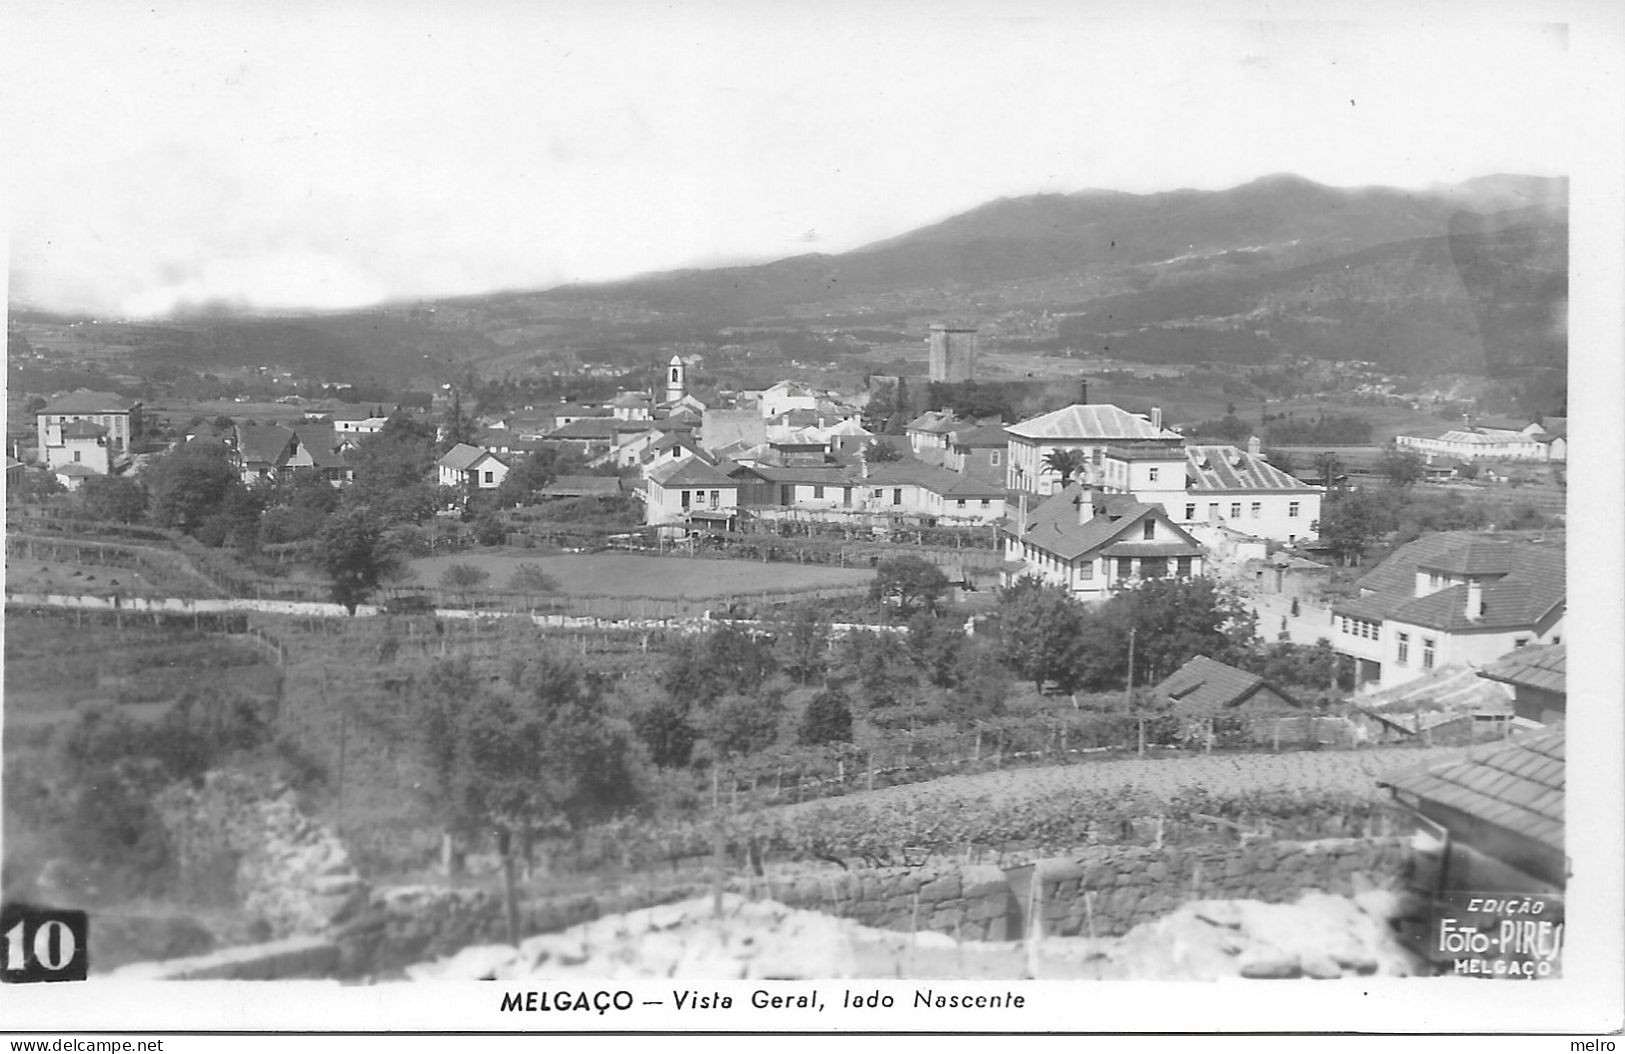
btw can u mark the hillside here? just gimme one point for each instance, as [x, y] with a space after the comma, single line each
[1470, 277]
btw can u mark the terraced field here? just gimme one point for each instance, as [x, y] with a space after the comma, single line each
[1352, 772]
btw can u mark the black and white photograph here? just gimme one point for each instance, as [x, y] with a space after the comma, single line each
[734, 517]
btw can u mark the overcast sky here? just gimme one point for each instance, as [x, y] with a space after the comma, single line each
[285, 154]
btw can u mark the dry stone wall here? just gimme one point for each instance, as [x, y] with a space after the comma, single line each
[242, 840]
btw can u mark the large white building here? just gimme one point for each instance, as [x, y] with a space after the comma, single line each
[1218, 485]
[1531, 442]
[118, 418]
[1088, 428]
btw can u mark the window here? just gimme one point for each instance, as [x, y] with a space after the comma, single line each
[1150, 529]
[818, 492]
[1520, 642]
[1184, 567]
[76, 455]
[714, 496]
[1190, 512]
[1292, 508]
[1212, 510]
[490, 477]
[897, 496]
[685, 499]
[1235, 510]
[1258, 509]
[960, 503]
[1427, 653]
[1087, 570]
[987, 503]
[1402, 653]
[993, 457]
[1153, 475]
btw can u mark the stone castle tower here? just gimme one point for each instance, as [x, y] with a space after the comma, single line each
[953, 352]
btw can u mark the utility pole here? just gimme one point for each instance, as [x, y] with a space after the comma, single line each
[1128, 689]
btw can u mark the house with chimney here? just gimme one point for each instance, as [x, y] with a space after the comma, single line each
[1450, 598]
[1216, 485]
[1091, 543]
[1088, 428]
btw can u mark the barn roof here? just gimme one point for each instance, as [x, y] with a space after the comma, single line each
[1541, 668]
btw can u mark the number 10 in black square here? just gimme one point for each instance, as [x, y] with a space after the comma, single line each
[43, 944]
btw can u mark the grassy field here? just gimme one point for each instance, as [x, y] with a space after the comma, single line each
[52, 668]
[40, 576]
[629, 575]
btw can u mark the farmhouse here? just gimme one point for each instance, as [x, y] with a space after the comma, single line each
[264, 452]
[117, 416]
[928, 434]
[977, 450]
[1214, 700]
[1453, 597]
[1091, 543]
[868, 492]
[1088, 428]
[472, 468]
[352, 421]
[690, 490]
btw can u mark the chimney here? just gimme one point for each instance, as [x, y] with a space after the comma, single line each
[1253, 446]
[1475, 600]
[1083, 390]
[1156, 418]
[1086, 506]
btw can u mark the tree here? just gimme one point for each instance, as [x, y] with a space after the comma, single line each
[737, 725]
[1329, 465]
[1041, 633]
[394, 472]
[828, 719]
[117, 499]
[881, 450]
[667, 733]
[1066, 463]
[1176, 619]
[802, 638]
[190, 483]
[352, 553]
[706, 666]
[910, 582]
[489, 529]
[1350, 523]
[463, 579]
[457, 428]
[527, 476]
[1402, 465]
[531, 580]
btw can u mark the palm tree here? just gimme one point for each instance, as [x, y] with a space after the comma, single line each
[1066, 464]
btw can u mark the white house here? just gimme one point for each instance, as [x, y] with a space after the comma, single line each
[689, 491]
[119, 417]
[1091, 543]
[1088, 428]
[868, 492]
[471, 467]
[786, 395]
[1218, 485]
[1450, 598]
[1486, 442]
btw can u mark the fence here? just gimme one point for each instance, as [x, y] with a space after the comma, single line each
[170, 571]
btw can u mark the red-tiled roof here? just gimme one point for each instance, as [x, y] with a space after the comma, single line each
[1517, 785]
[1541, 668]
